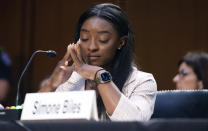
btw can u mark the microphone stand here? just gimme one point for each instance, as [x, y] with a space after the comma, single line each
[21, 76]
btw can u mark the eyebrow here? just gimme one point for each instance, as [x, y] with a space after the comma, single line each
[100, 32]
[84, 30]
[104, 32]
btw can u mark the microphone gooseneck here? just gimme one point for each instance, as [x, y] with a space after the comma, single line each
[49, 53]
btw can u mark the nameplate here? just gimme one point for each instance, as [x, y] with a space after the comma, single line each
[77, 105]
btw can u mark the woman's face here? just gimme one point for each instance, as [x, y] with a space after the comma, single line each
[99, 41]
[186, 79]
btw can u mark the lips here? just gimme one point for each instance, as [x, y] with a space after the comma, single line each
[93, 57]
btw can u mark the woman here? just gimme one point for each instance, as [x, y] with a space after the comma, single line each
[193, 72]
[102, 60]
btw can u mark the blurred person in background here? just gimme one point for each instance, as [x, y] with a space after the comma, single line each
[5, 77]
[192, 72]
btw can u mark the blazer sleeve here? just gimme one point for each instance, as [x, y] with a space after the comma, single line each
[137, 102]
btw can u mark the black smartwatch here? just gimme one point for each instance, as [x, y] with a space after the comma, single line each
[104, 77]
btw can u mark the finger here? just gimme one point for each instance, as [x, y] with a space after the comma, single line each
[67, 60]
[66, 63]
[74, 56]
[62, 67]
[78, 50]
[67, 54]
[83, 57]
[65, 68]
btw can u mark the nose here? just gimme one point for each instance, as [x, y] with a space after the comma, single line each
[93, 46]
[176, 78]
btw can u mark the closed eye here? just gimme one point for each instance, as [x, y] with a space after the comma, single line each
[103, 41]
[84, 40]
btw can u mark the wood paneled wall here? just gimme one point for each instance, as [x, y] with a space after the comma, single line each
[164, 32]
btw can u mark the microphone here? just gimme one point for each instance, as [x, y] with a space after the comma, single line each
[49, 53]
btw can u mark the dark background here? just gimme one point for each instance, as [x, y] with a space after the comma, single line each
[164, 31]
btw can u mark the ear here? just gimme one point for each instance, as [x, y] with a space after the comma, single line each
[122, 42]
[200, 85]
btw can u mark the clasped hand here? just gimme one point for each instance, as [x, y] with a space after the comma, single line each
[73, 60]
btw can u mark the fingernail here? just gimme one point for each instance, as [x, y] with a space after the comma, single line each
[66, 63]
[68, 46]
[62, 67]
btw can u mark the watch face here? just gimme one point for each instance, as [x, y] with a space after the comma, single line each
[105, 76]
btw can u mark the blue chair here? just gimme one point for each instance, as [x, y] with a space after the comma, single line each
[181, 104]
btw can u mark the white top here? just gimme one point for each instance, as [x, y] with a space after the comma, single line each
[1, 107]
[136, 102]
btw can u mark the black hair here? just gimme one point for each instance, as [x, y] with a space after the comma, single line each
[198, 61]
[122, 63]
[121, 66]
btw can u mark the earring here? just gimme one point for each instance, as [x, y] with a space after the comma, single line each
[119, 48]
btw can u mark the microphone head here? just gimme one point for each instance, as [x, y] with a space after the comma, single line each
[51, 53]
